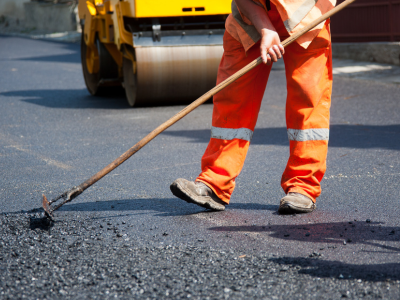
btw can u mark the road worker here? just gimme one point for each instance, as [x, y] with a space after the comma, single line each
[254, 27]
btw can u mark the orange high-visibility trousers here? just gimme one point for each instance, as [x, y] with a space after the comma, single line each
[236, 108]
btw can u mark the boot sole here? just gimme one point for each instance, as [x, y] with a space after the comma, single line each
[185, 195]
[290, 209]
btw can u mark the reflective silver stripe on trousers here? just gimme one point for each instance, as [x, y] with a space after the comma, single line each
[299, 14]
[230, 134]
[316, 134]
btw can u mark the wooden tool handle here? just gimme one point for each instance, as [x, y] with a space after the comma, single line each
[203, 99]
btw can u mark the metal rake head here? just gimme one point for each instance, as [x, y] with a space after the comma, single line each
[66, 197]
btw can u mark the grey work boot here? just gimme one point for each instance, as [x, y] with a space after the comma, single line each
[294, 203]
[197, 193]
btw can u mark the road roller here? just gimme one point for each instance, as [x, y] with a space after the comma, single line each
[158, 51]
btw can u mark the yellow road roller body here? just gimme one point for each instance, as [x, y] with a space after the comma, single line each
[159, 51]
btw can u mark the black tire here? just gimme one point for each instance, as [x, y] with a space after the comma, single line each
[107, 68]
[130, 82]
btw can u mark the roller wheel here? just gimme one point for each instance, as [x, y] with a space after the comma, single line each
[130, 82]
[97, 64]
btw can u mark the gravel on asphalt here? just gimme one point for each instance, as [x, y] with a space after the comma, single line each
[84, 259]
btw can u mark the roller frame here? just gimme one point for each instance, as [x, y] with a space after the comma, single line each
[104, 21]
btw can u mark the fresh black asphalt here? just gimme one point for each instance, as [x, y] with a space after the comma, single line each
[128, 237]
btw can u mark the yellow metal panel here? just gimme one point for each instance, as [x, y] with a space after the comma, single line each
[162, 8]
[91, 7]
[82, 9]
[127, 9]
[121, 35]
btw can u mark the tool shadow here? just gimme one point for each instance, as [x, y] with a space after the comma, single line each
[161, 207]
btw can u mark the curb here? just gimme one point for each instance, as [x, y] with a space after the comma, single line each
[380, 52]
[363, 70]
[383, 73]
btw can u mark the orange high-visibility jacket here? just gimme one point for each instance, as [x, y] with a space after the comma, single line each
[295, 14]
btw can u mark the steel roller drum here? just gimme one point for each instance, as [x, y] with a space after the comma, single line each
[176, 73]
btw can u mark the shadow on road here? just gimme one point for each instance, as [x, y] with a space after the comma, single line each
[165, 207]
[349, 136]
[324, 268]
[343, 135]
[114, 99]
[38, 50]
[42, 223]
[332, 233]
[60, 58]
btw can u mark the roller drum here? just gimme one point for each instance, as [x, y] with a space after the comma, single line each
[177, 73]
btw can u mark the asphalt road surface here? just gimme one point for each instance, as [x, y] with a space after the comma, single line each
[128, 237]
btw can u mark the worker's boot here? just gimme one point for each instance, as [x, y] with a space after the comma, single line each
[198, 193]
[294, 203]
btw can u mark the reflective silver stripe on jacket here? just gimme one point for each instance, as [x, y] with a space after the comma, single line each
[230, 134]
[299, 14]
[249, 29]
[315, 134]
